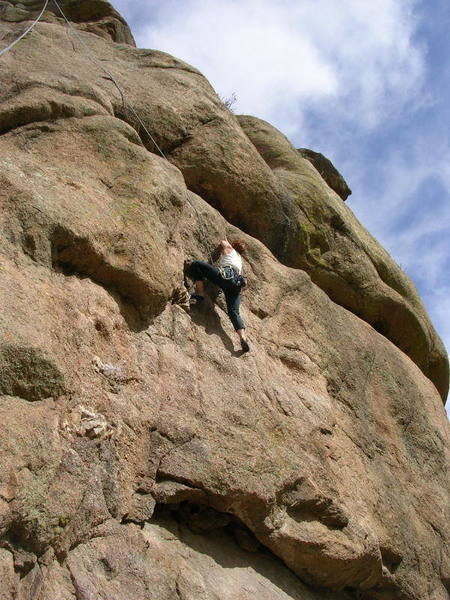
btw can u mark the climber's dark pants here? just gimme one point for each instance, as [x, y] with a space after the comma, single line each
[199, 270]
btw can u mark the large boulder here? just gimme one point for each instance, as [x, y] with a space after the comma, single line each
[141, 453]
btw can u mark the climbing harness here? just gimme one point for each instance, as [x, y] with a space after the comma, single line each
[227, 272]
[5, 50]
[231, 275]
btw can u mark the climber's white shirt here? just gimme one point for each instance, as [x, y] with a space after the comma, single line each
[232, 259]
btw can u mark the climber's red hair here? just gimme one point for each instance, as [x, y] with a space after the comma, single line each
[239, 246]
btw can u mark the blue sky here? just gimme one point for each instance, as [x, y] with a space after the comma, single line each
[365, 83]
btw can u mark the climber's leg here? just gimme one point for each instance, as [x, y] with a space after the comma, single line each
[200, 270]
[233, 300]
[199, 287]
[243, 338]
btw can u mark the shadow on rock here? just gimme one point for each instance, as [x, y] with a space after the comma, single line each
[218, 547]
[206, 316]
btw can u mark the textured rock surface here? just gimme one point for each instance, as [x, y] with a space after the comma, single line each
[96, 16]
[327, 171]
[326, 240]
[141, 454]
[289, 208]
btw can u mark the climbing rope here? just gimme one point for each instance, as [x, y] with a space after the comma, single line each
[123, 95]
[202, 230]
[127, 103]
[125, 100]
[5, 50]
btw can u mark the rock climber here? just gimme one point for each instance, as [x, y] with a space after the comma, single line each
[225, 272]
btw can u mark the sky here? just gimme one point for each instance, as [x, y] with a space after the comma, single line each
[365, 83]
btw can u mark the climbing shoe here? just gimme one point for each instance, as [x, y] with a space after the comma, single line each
[244, 345]
[196, 298]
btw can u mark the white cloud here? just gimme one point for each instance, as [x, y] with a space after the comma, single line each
[399, 180]
[419, 241]
[280, 58]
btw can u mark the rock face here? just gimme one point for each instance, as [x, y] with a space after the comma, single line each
[327, 171]
[325, 239]
[141, 454]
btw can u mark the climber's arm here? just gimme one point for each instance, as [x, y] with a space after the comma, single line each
[223, 247]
